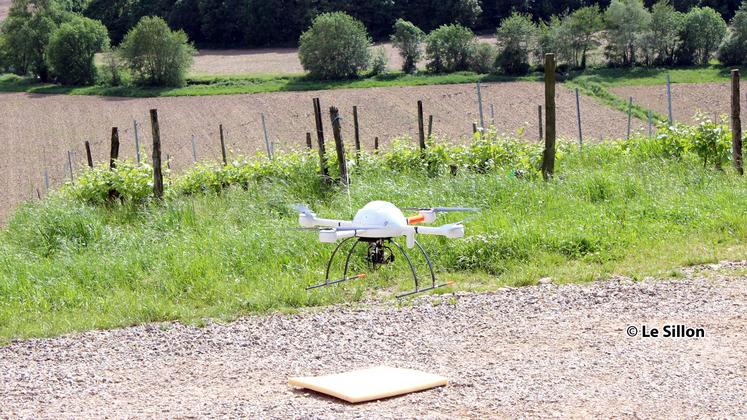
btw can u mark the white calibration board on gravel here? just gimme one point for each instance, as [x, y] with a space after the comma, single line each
[370, 384]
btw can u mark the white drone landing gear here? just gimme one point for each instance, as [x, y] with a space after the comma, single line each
[379, 253]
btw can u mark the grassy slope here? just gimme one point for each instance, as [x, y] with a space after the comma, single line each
[246, 84]
[67, 266]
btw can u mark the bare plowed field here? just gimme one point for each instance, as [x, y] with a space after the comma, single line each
[687, 99]
[38, 130]
[4, 8]
[274, 60]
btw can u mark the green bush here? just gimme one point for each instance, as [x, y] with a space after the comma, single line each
[448, 48]
[733, 51]
[408, 39]
[25, 35]
[482, 58]
[336, 46]
[71, 50]
[626, 21]
[516, 36]
[703, 31]
[379, 61]
[664, 37]
[126, 182]
[156, 55]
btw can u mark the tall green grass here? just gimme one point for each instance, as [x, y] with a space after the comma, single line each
[67, 264]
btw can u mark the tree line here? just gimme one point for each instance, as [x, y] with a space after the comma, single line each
[254, 23]
[49, 40]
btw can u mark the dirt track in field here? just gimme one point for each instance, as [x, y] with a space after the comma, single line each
[687, 99]
[276, 60]
[38, 130]
[4, 8]
[537, 352]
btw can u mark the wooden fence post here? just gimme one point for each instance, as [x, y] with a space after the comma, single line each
[430, 126]
[736, 123]
[357, 134]
[308, 141]
[421, 128]
[376, 145]
[320, 140]
[539, 116]
[334, 116]
[548, 157]
[89, 158]
[223, 145]
[157, 173]
[114, 155]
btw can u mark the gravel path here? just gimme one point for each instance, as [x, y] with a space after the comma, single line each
[534, 351]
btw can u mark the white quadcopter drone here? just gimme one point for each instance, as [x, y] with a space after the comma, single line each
[377, 224]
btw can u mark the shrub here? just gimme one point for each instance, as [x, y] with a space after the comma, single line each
[408, 39]
[712, 142]
[626, 21]
[733, 51]
[25, 35]
[582, 26]
[515, 37]
[71, 50]
[379, 60]
[664, 36]
[156, 55]
[448, 48]
[702, 33]
[482, 58]
[336, 46]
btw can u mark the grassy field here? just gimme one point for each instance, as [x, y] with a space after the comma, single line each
[247, 84]
[68, 265]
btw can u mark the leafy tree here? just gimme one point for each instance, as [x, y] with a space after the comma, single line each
[702, 33]
[626, 21]
[515, 37]
[482, 58]
[116, 15]
[408, 38]
[25, 35]
[582, 26]
[554, 37]
[448, 48]
[335, 46]
[734, 49]
[664, 37]
[379, 60]
[71, 50]
[156, 55]
[224, 21]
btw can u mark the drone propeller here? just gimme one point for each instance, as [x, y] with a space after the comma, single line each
[442, 209]
[301, 208]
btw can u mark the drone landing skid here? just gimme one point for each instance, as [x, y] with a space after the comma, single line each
[380, 253]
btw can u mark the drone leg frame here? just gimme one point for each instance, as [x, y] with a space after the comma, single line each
[430, 267]
[327, 281]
